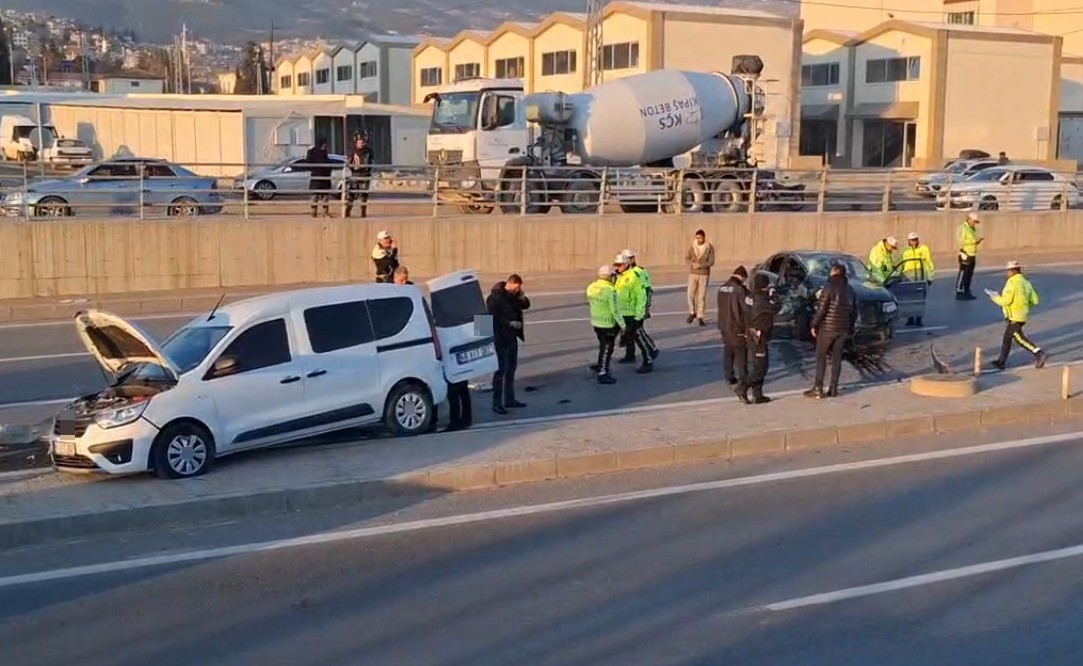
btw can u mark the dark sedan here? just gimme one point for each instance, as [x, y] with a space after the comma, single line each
[799, 276]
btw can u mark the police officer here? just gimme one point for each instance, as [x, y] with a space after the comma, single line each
[648, 287]
[731, 324]
[917, 266]
[1016, 300]
[632, 305]
[882, 258]
[607, 321]
[761, 306]
[360, 180]
[969, 237]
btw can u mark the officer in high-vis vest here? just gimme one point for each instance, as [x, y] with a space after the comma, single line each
[969, 238]
[606, 319]
[917, 266]
[1016, 300]
[632, 304]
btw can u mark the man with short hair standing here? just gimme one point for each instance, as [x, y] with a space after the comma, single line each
[506, 303]
[969, 237]
[833, 326]
[700, 259]
[319, 166]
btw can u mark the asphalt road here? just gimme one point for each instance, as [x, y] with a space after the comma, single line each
[847, 556]
[43, 363]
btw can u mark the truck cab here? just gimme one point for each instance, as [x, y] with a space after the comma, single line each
[478, 126]
[22, 138]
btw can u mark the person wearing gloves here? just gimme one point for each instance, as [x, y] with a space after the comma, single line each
[832, 327]
[632, 306]
[731, 324]
[1016, 300]
[882, 258]
[700, 259]
[506, 303]
[761, 306]
[917, 266]
[385, 257]
[969, 238]
[648, 288]
[606, 319]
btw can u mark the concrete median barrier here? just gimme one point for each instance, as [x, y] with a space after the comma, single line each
[102, 257]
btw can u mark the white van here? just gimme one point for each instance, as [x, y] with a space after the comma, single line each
[261, 372]
[20, 138]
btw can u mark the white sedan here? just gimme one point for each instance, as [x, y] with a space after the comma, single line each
[1011, 187]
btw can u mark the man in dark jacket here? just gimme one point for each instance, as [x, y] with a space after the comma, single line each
[833, 326]
[761, 306]
[505, 304]
[731, 323]
[360, 181]
[385, 257]
[319, 166]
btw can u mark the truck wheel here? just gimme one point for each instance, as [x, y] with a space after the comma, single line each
[475, 209]
[727, 197]
[582, 197]
[694, 197]
[510, 195]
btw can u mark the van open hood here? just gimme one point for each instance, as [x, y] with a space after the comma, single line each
[117, 344]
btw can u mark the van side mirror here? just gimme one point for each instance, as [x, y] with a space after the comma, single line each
[223, 367]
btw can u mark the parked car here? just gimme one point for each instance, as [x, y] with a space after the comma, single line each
[800, 275]
[288, 178]
[957, 171]
[270, 370]
[119, 186]
[68, 152]
[1011, 187]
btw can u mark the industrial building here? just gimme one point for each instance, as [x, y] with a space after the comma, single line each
[378, 69]
[638, 37]
[909, 94]
[221, 135]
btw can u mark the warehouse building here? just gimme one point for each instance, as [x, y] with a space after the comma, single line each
[911, 94]
[377, 68]
[221, 135]
[638, 37]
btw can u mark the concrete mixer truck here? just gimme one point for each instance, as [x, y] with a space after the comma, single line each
[667, 138]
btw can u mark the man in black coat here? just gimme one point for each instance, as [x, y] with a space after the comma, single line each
[761, 306]
[360, 181]
[506, 303]
[731, 324]
[833, 326]
[319, 166]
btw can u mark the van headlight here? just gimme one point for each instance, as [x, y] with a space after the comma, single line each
[123, 416]
[889, 307]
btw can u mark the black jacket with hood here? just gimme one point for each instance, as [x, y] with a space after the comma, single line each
[836, 313]
[731, 314]
[505, 308]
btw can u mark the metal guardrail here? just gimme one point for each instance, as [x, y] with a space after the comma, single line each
[37, 190]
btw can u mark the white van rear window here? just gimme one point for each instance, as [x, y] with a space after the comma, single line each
[458, 305]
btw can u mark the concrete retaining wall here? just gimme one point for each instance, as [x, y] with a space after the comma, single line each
[94, 257]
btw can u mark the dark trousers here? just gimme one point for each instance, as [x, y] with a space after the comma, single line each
[833, 344]
[635, 336]
[460, 411]
[357, 191]
[507, 356]
[966, 275]
[759, 363]
[607, 342]
[1013, 331]
[735, 359]
[320, 195]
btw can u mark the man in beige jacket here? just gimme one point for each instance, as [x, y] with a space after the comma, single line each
[700, 259]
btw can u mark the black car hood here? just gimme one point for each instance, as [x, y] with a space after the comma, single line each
[865, 291]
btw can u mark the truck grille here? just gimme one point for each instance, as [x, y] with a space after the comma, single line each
[445, 156]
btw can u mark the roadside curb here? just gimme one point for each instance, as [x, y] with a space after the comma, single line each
[476, 477]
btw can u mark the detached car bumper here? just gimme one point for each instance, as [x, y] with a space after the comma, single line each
[121, 450]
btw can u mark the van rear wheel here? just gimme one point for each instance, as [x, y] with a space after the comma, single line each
[409, 410]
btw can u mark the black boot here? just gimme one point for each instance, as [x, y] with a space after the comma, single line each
[606, 379]
[645, 368]
[833, 392]
[742, 395]
[919, 322]
[758, 398]
[816, 393]
[595, 367]
[499, 409]
[628, 358]
[1039, 360]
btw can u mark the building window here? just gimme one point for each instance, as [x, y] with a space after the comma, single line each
[510, 68]
[134, 84]
[890, 70]
[467, 70]
[323, 76]
[558, 62]
[431, 76]
[367, 69]
[825, 74]
[343, 72]
[285, 83]
[302, 80]
[963, 18]
[620, 56]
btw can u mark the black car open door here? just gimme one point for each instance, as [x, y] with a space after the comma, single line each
[910, 286]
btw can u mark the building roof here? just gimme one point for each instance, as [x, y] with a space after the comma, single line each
[840, 37]
[394, 41]
[708, 10]
[931, 29]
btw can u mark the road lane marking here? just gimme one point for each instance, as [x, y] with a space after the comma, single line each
[43, 357]
[921, 580]
[340, 536]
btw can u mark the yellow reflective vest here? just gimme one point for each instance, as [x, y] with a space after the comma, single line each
[918, 263]
[604, 309]
[631, 295]
[1017, 298]
[881, 261]
[968, 237]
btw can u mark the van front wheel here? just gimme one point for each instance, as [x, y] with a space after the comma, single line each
[409, 410]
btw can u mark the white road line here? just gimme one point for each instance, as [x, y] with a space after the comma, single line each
[34, 403]
[43, 357]
[924, 579]
[521, 511]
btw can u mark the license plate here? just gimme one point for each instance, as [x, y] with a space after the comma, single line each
[471, 355]
[64, 447]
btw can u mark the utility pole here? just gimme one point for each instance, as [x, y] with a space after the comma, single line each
[187, 59]
[272, 54]
[592, 70]
[86, 62]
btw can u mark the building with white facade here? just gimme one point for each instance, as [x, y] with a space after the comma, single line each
[377, 68]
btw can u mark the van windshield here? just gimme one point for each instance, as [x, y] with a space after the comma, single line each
[190, 345]
[30, 132]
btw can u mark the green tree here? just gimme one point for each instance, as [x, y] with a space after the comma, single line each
[252, 69]
[5, 57]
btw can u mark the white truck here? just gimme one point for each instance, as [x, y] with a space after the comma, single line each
[665, 139]
[22, 138]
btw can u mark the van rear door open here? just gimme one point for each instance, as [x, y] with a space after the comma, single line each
[462, 324]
